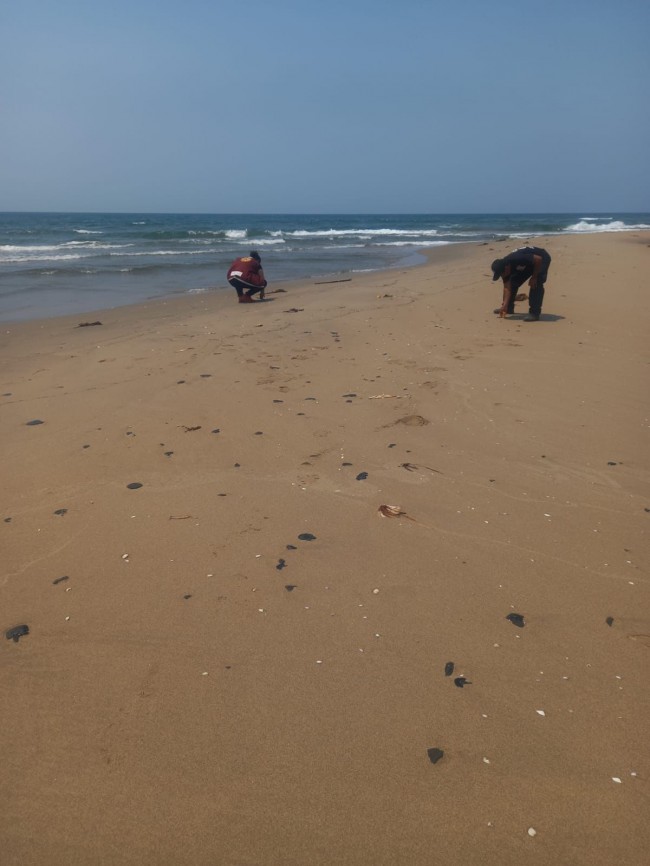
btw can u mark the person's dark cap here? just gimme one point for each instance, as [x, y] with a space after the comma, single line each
[498, 267]
[255, 255]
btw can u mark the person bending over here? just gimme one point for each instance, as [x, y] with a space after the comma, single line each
[246, 276]
[527, 263]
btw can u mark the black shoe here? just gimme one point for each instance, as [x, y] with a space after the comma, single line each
[531, 317]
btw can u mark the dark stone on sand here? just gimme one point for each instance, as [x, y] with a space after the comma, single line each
[7, 394]
[610, 621]
[35, 422]
[206, 375]
[8, 519]
[187, 596]
[291, 547]
[259, 433]
[17, 632]
[237, 465]
[134, 485]
[290, 587]
[435, 755]
[281, 564]
[61, 511]
[311, 398]
[612, 463]
[168, 453]
[216, 430]
[300, 413]
[349, 395]
[130, 433]
[392, 444]
[362, 476]
[516, 619]
[347, 464]
[61, 579]
[222, 494]
[88, 324]
[307, 536]
[461, 682]
[449, 669]
[86, 446]
[278, 401]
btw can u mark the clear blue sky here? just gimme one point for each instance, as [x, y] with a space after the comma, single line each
[325, 106]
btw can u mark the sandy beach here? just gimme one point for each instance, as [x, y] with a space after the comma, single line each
[237, 655]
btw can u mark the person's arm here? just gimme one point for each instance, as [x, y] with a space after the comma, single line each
[263, 283]
[507, 293]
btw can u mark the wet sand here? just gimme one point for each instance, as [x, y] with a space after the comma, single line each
[200, 684]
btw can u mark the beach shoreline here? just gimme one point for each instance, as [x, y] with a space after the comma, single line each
[248, 542]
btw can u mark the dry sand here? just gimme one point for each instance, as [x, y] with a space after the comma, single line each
[201, 686]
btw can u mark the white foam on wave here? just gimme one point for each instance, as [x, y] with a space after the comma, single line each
[86, 232]
[235, 234]
[341, 233]
[588, 224]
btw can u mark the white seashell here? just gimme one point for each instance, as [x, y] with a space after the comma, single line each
[532, 831]
[540, 712]
[617, 780]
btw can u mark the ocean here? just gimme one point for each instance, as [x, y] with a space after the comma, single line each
[55, 264]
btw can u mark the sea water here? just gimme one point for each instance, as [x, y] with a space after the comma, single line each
[63, 263]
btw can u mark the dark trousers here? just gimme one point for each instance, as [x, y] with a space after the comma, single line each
[536, 295]
[242, 287]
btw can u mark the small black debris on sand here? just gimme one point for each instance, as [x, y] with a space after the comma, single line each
[281, 564]
[516, 619]
[290, 587]
[610, 621]
[61, 579]
[307, 536]
[449, 669]
[88, 324]
[461, 682]
[35, 422]
[17, 632]
[362, 476]
[61, 511]
[134, 485]
[435, 755]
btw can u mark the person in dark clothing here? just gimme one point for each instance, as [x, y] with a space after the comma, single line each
[246, 276]
[527, 263]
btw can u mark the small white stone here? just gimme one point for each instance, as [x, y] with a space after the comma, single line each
[540, 712]
[375, 592]
[617, 780]
[67, 618]
[261, 609]
[486, 760]
[125, 556]
[532, 831]
[204, 674]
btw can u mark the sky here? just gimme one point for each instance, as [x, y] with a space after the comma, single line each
[325, 106]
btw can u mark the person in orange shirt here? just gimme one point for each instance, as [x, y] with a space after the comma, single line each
[246, 276]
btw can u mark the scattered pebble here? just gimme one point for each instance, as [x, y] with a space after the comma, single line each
[307, 536]
[362, 476]
[134, 485]
[61, 511]
[35, 422]
[617, 780]
[281, 564]
[435, 755]
[461, 682]
[16, 632]
[532, 831]
[290, 587]
[610, 621]
[61, 579]
[516, 619]
[540, 712]
[449, 669]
